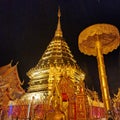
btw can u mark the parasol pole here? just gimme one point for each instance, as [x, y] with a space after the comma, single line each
[103, 77]
[97, 40]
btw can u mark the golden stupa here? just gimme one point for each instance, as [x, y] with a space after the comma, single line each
[56, 58]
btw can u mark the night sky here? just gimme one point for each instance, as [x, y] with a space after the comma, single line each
[28, 26]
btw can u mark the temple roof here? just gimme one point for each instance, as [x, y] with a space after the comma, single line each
[10, 80]
[4, 68]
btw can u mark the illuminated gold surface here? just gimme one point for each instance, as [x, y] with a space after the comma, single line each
[56, 80]
[4, 68]
[107, 34]
[116, 99]
[56, 61]
[55, 100]
[97, 40]
[103, 77]
[10, 84]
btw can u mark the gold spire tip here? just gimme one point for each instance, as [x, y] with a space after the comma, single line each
[59, 13]
[58, 31]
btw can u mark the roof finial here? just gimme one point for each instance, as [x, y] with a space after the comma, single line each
[59, 13]
[58, 31]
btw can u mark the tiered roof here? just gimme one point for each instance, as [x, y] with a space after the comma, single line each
[10, 80]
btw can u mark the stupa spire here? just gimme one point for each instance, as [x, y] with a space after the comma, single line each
[58, 31]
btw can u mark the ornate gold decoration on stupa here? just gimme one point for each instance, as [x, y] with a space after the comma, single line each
[56, 58]
[97, 40]
[55, 101]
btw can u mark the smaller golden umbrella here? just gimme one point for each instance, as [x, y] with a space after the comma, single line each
[97, 40]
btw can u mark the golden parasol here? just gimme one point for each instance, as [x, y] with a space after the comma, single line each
[97, 40]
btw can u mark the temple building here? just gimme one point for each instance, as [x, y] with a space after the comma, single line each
[10, 88]
[56, 88]
[10, 82]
